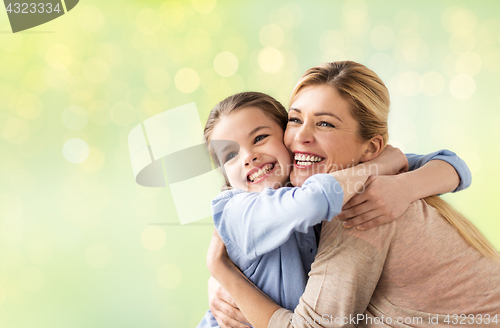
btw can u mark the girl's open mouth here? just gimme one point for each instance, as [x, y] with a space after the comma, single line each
[257, 175]
[304, 160]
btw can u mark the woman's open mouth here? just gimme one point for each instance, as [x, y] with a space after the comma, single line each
[258, 174]
[303, 160]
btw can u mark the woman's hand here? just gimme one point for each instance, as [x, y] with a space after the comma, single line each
[384, 199]
[223, 307]
[217, 254]
[390, 161]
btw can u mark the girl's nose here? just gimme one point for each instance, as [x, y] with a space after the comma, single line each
[304, 134]
[251, 157]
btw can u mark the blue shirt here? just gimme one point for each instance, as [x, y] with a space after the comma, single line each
[271, 235]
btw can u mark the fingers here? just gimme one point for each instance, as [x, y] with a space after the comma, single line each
[355, 211]
[226, 321]
[361, 219]
[374, 223]
[355, 201]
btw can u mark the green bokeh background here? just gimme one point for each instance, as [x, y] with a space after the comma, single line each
[78, 242]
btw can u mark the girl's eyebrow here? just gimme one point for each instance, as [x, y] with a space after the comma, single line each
[318, 114]
[257, 129]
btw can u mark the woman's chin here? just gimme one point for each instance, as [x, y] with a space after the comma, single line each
[298, 179]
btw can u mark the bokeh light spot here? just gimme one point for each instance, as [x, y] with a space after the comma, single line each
[16, 131]
[90, 18]
[75, 118]
[95, 70]
[203, 6]
[225, 64]
[462, 40]
[100, 112]
[157, 79]
[198, 40]
[270, 60]
[271, 35]
[432, 84]
[98, 255]
[148, 21]
[187, 80]
[169, 276]
[29, 106]
[409, 84]
[75, 150]
[153, 238]
[95, 161]
[382, 64]
[382, 37]
[58, 56]
[122, 113]
[333, 40]
[468, 63]
[462, 86]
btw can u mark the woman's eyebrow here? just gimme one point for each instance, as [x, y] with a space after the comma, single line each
[257, 129]
[318, 114]
[329, 114]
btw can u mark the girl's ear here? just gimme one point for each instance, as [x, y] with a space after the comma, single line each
[373, 148]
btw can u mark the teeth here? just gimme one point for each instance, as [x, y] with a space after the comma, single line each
[261, 172]
[303, 159]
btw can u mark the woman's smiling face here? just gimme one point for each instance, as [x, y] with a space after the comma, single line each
[249, 145]
[321, 133]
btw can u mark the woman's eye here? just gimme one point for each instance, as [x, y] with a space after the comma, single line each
[293, 120]
[323, 123]
[230, 156]
[259, 138]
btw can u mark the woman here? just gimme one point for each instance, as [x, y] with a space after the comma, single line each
[399, 271]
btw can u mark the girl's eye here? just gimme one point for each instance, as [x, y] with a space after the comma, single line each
[293, 120]
[326, 124]
[230, 156]
[259, 138]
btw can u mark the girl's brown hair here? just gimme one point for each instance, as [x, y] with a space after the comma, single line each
[269, 106]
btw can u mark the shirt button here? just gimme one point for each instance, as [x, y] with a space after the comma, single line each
[311, 250]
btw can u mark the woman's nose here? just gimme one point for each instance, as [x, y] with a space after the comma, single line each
[251, 157]
[304, 134]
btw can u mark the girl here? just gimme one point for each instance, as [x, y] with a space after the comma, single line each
[245, 137]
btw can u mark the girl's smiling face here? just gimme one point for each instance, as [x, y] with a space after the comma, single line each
[249, 146]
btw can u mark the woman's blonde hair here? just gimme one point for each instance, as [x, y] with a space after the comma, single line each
[269, 106]
[369, 99]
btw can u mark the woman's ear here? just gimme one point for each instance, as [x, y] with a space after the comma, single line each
[373, 148]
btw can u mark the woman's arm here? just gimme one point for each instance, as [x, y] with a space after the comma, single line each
[387, 197]
[341, 282]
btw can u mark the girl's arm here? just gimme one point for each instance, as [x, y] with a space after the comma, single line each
[257, 223]
[387, 197]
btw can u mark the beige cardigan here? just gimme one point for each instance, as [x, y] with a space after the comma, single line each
[416, 269]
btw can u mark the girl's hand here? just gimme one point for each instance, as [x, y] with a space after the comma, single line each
[223, 307]
[384, 199]
[390, 161]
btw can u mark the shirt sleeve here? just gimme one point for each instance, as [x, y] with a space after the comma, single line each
[258, 223]
[208, 321]
[342, 279]
[416, 161]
